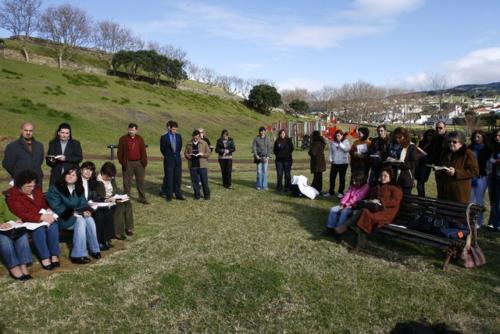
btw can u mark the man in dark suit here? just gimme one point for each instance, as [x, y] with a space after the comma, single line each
[24, 153]
[170, 146]
[64, 152]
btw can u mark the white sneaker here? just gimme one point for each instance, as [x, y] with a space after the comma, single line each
[325, 194]
[339, 195]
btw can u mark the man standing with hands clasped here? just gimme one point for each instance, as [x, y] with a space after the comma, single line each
[133, 157]
[170, 146]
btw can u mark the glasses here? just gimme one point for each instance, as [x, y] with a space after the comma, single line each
[453, 142]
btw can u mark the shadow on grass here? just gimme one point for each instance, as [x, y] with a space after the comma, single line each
[313, 220]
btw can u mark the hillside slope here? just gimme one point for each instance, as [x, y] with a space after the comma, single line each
[100, 107]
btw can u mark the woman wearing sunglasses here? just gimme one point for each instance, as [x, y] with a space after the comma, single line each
[454, 182]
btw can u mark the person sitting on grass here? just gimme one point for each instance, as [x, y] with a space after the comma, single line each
[26, 200]
[340, 213]
[66, 197]
[123, 217]
[15, 250]
[103, 216]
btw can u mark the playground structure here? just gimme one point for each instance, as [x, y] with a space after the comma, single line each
[301, 132]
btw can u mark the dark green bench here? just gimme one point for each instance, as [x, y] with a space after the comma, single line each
[413, 206]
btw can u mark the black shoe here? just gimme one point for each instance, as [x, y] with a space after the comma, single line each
[26, 277]
[129, 232]
[103, 247]
[56, 264]
[329, 232]
[49, 266]
[19, 278]
[80, 260]
[180, 198]
[168, 199]
[96, 255]
[120, 237]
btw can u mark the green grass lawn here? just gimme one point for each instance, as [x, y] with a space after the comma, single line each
[249, 261]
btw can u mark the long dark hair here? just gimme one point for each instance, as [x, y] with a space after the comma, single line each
[61, 182]
[365, 131]
[63, 126]
[316, 136]
[425, 141]
[93, 179]
[405, 135]
[389, 171]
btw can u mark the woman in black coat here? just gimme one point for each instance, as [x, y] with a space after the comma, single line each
[64, 152]
[402, 157]
[318, 162]
[225, 148]
[283, 148]
[425, 158]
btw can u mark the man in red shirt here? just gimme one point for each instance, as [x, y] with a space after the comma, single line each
[134, 159]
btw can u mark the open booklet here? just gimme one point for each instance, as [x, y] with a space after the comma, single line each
[55, 157]
[29, 226]
[121, 198]
[437, 168]
[96, 205]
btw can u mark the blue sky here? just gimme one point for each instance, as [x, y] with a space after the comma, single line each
[311, 44]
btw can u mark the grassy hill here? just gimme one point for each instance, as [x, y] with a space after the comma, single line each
[99, 108]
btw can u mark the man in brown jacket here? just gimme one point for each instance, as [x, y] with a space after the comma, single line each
[134, 159]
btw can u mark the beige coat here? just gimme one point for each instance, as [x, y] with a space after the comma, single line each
[204, 150]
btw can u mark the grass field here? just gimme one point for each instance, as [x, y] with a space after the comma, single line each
[250, 261]
[245, 261]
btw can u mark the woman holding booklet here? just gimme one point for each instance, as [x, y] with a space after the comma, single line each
[15, 250]
[123, 216]
[102, 211]
[27, 202]
[67, 199]
[458, 167]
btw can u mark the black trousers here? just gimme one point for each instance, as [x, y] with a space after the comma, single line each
[226, 168]
[172, 181]
[317, 181]
[283, 167]
[104, 225]
[341, 170]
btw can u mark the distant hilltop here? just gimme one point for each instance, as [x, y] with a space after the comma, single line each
[470, 90]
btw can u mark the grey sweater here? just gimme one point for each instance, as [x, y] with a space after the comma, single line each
[262, 147]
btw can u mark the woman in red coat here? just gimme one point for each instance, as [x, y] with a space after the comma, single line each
[388, 196]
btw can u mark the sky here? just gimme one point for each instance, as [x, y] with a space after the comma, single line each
[312, 44]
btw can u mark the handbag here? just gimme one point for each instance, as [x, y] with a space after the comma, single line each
[472, 255]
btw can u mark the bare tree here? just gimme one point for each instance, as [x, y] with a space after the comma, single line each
[20, 17]
[208, 76]
[109, 36]
[193, 71]
[230, 84]
[134, 43]
[439, 83]
[67, 26]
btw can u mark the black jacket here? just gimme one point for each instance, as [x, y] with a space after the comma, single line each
[17, 158]
[219, 147]
[405, 171]
[283, 151]
[73, 154]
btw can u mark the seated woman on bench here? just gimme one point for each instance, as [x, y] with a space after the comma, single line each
[26, 201]
[340, 213]
[387, 199]
[66, 197]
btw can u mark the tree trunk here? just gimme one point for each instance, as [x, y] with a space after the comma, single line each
[26, 54]
[60, 61]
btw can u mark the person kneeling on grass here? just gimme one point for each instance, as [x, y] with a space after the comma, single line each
[340, 213]
[123, 217]
[26, 201]
[380, 209]
[15, 250]
[67, 199]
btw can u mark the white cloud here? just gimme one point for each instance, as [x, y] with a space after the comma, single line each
[277, 31]
[382, 9]
[477, 67]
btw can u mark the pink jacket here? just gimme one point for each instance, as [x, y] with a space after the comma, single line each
[354, 195]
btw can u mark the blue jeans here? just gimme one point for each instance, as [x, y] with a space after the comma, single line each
[199, 175]
[262, 175]
[84, 235]
[46, 241]
[15, 252]
[494, 191]
[337, 217]
[477, 194]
